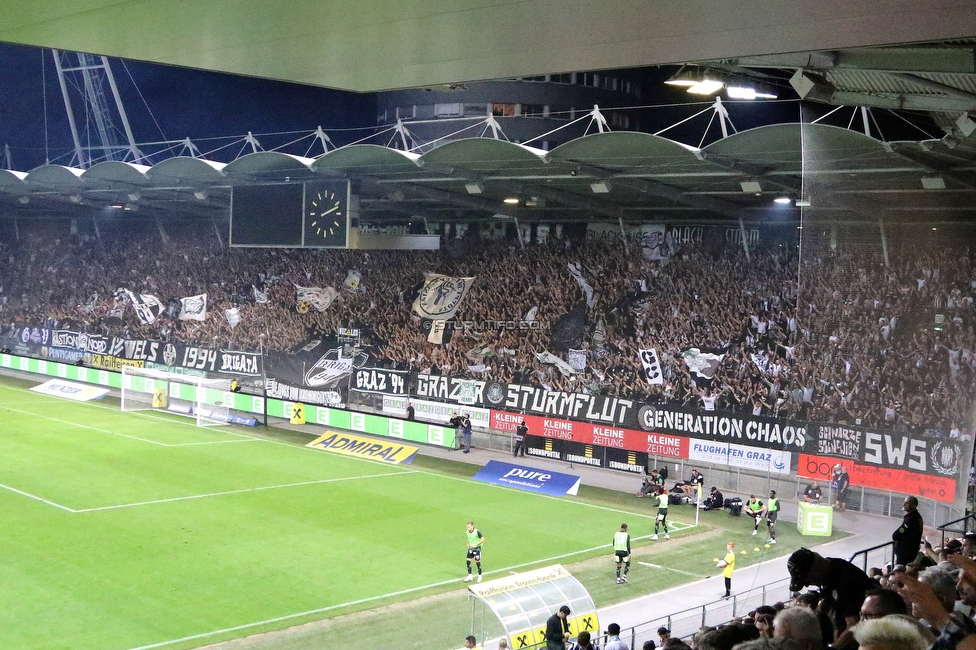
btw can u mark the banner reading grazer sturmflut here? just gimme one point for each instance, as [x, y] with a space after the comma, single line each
[361, 447]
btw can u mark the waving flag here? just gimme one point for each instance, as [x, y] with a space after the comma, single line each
[194, 307]
[703, 364]
[652, 366]
[318, 298]
[441, 295]
[148, 307]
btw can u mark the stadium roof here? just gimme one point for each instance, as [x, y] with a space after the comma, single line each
[386, 44]
[608, 176]
[885, 54]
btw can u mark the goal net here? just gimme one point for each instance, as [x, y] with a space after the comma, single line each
[207, 400]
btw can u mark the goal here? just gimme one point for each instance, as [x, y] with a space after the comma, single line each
[207, 400]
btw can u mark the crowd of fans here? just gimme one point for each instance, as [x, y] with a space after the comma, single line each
[928, 603]
[838, 336]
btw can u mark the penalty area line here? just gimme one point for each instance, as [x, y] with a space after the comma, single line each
[37, 498]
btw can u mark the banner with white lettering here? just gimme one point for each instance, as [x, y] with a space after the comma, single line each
[380, 380]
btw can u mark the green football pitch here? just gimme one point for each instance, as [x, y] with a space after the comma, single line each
[142, 530]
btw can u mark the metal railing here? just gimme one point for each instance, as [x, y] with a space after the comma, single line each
[883, 552]
[687, 622]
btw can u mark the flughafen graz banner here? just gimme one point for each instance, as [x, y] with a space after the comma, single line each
[598, 430]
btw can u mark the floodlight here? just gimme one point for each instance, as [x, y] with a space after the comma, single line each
[707, 87]
[750, 187]
[744, 92]
[782, 200]
[474, 188]
[933, 182]
[600, 187]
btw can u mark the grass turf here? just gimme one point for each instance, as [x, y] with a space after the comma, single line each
[141, 530]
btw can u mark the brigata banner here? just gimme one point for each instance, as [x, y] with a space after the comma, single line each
[352, 445]
[528, 478]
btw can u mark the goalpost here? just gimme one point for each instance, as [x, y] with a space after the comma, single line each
[206, 400]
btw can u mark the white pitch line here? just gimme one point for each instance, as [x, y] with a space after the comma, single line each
[351, 603]
[241, 491]
[667, 568]
[209, 442]
[85, 426]
[37, 498]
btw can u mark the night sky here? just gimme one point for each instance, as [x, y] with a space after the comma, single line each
[179, 103]
[169, 103]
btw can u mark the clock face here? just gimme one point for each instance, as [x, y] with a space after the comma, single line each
[325, 217]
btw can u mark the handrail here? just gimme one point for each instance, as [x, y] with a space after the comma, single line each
[968, 518]
[864, 552]
[686, 622]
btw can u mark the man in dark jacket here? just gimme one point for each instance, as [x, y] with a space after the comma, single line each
[842, 585]
[908, 536]
[557, 630]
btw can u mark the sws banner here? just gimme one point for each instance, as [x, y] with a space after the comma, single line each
[528, 478]
[940, 456]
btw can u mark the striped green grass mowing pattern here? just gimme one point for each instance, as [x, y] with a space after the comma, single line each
[134, 530]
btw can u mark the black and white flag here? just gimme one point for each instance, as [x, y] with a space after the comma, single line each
[440, 296]
[652, 367]
[703, 364]
[260, 297]
[577, 272]
[148, 307]
[233, 316]
[317, 298]
[194, 307]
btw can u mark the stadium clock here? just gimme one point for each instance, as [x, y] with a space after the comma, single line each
[326, 215]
